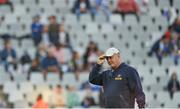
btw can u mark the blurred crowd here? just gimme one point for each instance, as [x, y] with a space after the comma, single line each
[173, 85]
[168, 44]
[66, 97]
[54, 52]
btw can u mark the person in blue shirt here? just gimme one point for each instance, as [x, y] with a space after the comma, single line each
[50, 64]
[103, 5]
[121, 84]
[8, 56]
[37, 29]
[81, 7]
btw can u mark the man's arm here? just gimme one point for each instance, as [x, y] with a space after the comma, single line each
[95, 77]
[135, 85]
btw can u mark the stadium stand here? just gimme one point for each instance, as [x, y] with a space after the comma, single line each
[133, 35]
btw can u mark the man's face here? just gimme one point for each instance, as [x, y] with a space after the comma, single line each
[52, 20]
[114, 60]
[8, 46]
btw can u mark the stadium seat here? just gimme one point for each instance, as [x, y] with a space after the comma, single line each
[26, 87]
[4, 77]
[176, 4]
[21, 104]
[163, 94]
[83, 77]
[29, 2]
[18, 78]
[154, 104]
[36, 78]
[69, 79]
[131, 20]
[91, 28]
[115, 19]
[154, 11]
[16, 2]
[164, 4]
[53, 78]
[5, 9]
[9, 87]
[15, 95]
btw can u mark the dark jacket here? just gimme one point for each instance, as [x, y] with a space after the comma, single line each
[5, 53]
[121, 86]
[170, 85]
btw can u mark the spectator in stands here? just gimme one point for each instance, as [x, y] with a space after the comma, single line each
[45, 36]
[34, 67]
[63, 56]
[72, 97]
[37, 29]
[25, 61]
[168, 33]
[40, 103]
[8, 56]
[176, 47]
[88, 100]
[176, 25]
[41, 52]
[104, 5]
[167, 13]
[64, 38]
[81, 7]
[58, 52]
[173, 84]
[91, 54]
[161, 48]
[53, 30]
[25, 58]
[76, 61]
[58, 97]
[127, 7]
[50, 64]
[2, 103]
[7, 2]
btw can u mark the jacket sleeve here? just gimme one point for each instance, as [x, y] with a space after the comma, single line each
[95, 77]
[135, 85]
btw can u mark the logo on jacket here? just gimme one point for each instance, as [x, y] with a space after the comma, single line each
[118, 77]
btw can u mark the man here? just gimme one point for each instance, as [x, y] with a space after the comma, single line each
[125, 7]
[8, 56]
[53, 29]
[121, 84]
[40, 103]
[58, 97]
[50, 64]
[37, 30]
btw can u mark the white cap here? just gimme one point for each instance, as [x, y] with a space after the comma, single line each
[111, 51]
